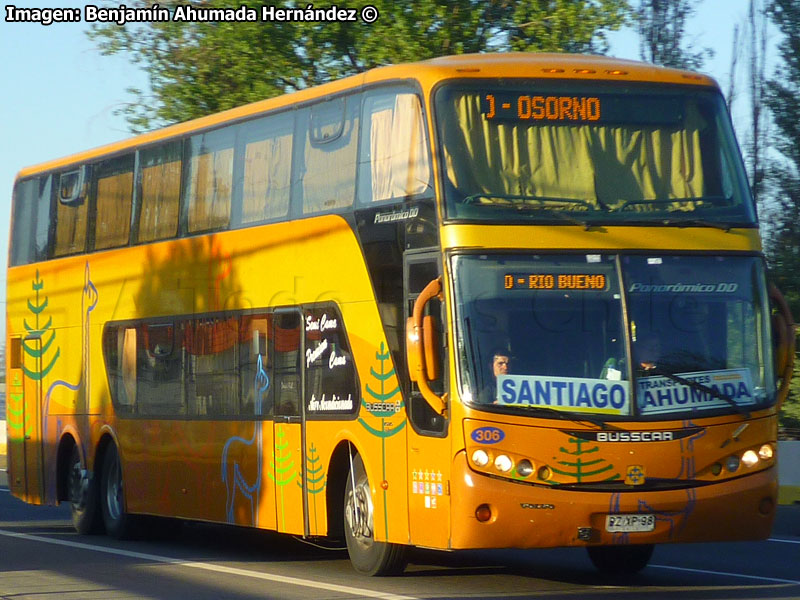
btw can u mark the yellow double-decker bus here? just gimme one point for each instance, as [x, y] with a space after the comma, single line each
[495, 301]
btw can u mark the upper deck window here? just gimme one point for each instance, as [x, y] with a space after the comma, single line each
[31, 221]
[209, 180]
[113, 201]
[160, 192]
[328, 170]
[534, 151]
[72, 214]
[394, 161]
[267, 168]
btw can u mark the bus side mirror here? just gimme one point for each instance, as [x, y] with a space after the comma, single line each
[414, 351]
[430, 342]
[422, 349]
[783, 336]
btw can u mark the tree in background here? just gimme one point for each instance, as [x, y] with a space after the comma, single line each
[783, 242]
[752, 47]
[197, 68]
[661, 25]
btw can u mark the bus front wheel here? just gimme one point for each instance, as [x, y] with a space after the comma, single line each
[620, 560]
[119, 524]
[367, 555]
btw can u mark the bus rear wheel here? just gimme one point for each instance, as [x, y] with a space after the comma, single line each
[83, 497]
[620, 560]
[368, 556]
[119, 524]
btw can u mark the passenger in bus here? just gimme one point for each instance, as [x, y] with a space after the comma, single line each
[499, 365]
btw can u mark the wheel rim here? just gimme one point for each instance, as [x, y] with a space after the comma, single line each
[78, 487]
[114, 492]
[359, 514]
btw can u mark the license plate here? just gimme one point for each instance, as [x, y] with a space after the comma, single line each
[630, 523]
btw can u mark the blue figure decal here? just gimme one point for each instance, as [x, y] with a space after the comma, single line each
[88, 302]
[232, 475]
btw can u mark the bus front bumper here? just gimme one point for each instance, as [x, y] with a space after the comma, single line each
[525, 516]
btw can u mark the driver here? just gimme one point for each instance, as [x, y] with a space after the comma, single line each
[499, 364]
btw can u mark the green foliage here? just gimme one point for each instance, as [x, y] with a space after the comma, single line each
[783, 241]
[661, 27]
[783, 100]
[197, 68]
[789, 417]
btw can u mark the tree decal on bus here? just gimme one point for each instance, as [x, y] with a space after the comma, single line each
[577, 467]
[283, 466]
[315, 476]
[42, 332]
[384, 406]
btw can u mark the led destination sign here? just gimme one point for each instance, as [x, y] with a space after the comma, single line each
[552, 107]
[538, 108]
[555, 281]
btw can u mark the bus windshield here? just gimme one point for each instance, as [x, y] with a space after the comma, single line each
[543, 333]
[533, 151]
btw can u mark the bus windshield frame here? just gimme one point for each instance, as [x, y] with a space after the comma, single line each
[601, 153]
[614, 336]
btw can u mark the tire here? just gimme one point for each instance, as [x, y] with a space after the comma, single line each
[367, 556]
[119, 524]
[83, 497]
[620, 560]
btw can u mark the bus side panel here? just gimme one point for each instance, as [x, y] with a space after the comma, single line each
[204, 470]
[48, 309]
[381, 428]
[15, 418]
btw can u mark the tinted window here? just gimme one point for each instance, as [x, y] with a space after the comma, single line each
[330, 371]
[394, 159]
[209, 180]
[212, 377]
[113, 200]
[71, 217]
[160, 192]
[32, 199]
[328, 172]
[267, 168]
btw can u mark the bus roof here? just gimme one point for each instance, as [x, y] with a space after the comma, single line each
[508, 65]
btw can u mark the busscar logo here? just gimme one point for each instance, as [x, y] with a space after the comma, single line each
[634, 436]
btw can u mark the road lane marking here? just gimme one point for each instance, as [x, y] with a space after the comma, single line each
[784, 541]
[739, 575]
[330, 587]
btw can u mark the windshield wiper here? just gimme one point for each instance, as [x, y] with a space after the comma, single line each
[580, 419]
[523, 201]
[712, 200]
[726, 227]
[702, 388]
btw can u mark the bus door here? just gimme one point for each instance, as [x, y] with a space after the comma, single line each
[286, 465]
[429, 460]
[29, 373]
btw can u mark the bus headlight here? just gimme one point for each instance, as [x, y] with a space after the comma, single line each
[524, 468]
[749, 458]
[480, 458]
[503, 463]
[766, 452]
[732, 463]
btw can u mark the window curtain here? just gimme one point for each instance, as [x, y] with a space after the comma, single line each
[614, 163]
[398, 149]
